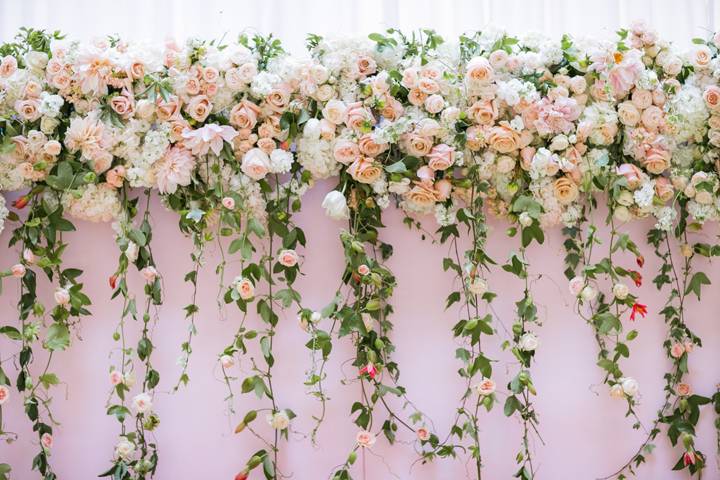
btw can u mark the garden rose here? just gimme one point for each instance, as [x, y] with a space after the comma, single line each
[528, 342]
[46, 440]
[677, 350]
[683, 389]
[365, 438]
[116, 378]
[142, 403]
[245, 288]
[227, 361]
[255, 164]
[485, 387]
[62, 296]
[4, 394]
[630, 386]
[620, 291]
[441, 157]
[423, 434]
[18, 270]
[576, 285]
[279, 420]
[288, 258]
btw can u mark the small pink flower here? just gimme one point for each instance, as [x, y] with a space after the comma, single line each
[229, 203]
[62, 296]
[363, 269]
[227, 361]
[370, 370]
[18, 271]
[4, 394]
[116, 378]
[288, 258]
[28, 256]
[423, 434]
[683, 389]
[149, 273]
[365, 438]
[677, 350]
[689, 458]
[47, 441]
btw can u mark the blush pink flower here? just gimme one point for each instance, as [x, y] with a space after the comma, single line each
[370, 370]
[4, 394]
[209, 137]
[175, 168]
[365, 438]
[46, 440]
[288, 258]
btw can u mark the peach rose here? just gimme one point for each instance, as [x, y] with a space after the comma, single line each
[115, 176]
[417, 97]
[278, 99]
[479, 72]
[652, 117]
[358, 117]
[346, 151]
[443, 188]
[503, 139]
[677, 350]
[423, 194]
[664, 189]
[434, 104]
[28, 109]
[52, 148]
[483, 112]
[498, 58]
[428, 86]
[369, 147]
[365, 65]
[712, 97]
[122, 105]
[334, 111]
[441, 157]
[365, 438]
[657, 160]
[199, 108]
[701, 56]
[8, 66]
[683, 389]
[392, 110]
[632, 174]
[628, 114]
[167, 110]
[565, 190]
[364, 170]
[245, 288]
[244, 115]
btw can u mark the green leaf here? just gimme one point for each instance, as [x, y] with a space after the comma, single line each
[696, 283]
[58, 337]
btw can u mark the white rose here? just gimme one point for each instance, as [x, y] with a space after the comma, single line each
[312, 129]
[528, 342]
[334, 111]
[558, 143]
[124, 449]
[62, 296]
[131, 252]
[255, 164]
[36, 60]
[227, 361]
[630, 386]
[620, 291]
[335, 206]
[588, 293]
[48, 124]
[142, 403]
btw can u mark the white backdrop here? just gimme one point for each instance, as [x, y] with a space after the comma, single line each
[677, 20]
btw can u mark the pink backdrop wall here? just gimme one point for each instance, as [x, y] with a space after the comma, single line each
[585, 432]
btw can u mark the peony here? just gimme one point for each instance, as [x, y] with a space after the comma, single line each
[255, 164]
[485, 387]
[335, 206]
[528, 342]
[288, 258]
[142, 403]
[365, 438]
[630, 386]
[175, 168]
[279, 420]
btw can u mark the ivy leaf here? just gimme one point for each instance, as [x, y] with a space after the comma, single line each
[696, 283]
[58, 337]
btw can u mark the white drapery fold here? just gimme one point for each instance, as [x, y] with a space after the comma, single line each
[291, 20]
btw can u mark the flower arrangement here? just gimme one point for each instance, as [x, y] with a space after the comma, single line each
[230, 135]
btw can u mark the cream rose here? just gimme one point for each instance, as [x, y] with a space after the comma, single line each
[255, 164]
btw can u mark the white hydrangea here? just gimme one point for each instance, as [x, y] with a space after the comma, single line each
[644, 195]
[50, 104]
[665, 218]
[3, 213]
[445, 216]
[316, 156]
[280, 161]
[93, 203]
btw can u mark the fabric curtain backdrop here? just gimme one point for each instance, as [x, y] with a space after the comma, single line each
[585, 432]
[292, 19]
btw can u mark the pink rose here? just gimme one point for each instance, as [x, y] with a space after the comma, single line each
[8, 66]
[346, 151]
[288, 258]
[18, 270]
[244, 115]
[479, 72]
[434, 104]
[52, 148]
[642, 99]
[199, 108]
[229, 203]
[485, 387]
[28, 109]
[365, 438]
[576, 285]
[122, 105]
[683, 389]
[369, 147]
[245, 288]
[443, 188]
[168, 110]
[4, 394]
[423, 434]
[116, 378]
[62, 296]
[149, 273]
[115, 176]
[364, 170]
[677, 350]
[441, 157]
[417, 145]
[363, 269]
[652, 117]
[365, 66]
[46, 440]
[712, 97]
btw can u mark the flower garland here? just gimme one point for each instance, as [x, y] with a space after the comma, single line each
[232, 134]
